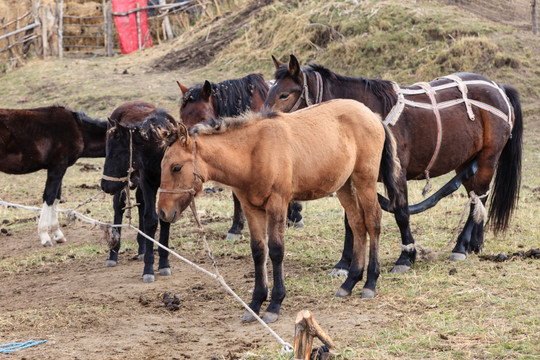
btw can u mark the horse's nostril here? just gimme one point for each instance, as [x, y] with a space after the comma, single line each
[162, 214]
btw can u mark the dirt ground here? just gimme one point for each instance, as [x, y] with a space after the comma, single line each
[87, 311]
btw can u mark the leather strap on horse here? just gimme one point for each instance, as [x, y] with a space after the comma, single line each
[463, 88]
[430, 92]
[305, 92]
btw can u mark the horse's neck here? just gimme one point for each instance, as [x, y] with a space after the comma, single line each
[222, 158]
[354, 89]
[94, 135]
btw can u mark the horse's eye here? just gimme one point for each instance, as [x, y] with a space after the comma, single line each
[176, 169]
[284, 96]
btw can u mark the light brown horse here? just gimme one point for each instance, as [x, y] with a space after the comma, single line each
[271, 159]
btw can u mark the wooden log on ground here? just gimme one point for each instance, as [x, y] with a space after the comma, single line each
[306, 328]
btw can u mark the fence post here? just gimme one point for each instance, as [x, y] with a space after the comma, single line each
[109, 28]
[60, 26]
[167, 23]
[534, 16]
[44, 41]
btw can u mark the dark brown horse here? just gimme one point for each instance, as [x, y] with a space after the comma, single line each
[439, 127]
[202, 103]
[348, 145]
[50, 138]
[132, 159]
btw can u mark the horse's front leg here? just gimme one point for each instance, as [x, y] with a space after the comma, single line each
[164, 267]
[141, 241]
[401, 213]
[294, 215]
[235, 232]
[257, 227]
[276, 210]
[150, 220]
[48, 219]
[119, 199]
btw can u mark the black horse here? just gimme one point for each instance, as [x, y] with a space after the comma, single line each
[132, 160]
[50, 138]
[204, 102]
[441, 126]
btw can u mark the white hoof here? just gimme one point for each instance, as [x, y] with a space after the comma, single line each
[165, 271]
[296, 224]
[111, 263]
[270, 317]
[457, 257]
[342, 293]
[59, 237]
[231, 236]
[248, 317]
[339, 273]
[148, 278]
[367, 293]
[399, 269]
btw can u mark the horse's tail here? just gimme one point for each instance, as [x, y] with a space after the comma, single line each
[507, 181]
[390, 170]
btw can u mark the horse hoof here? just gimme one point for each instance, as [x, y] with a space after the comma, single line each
[339, 272]
[165, 271]
[457, 257]
[148, 278]
[399, 269]
[367, 293]
[231, 236]
[296, 224]
[342, 293]
[140, 257]
[47, 244]
[248, 317]
[59, 239]
[270, 317]
[110, 263]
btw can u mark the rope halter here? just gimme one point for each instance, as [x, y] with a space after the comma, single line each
[305, 92]
[196, 175]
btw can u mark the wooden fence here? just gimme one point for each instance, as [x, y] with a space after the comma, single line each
[59, 29]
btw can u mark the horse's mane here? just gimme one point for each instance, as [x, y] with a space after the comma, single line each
[381, 89]
[221, 125]
[230, 97]
[159, 126]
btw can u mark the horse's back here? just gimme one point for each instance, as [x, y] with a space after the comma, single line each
[132, 112]
[33, 139]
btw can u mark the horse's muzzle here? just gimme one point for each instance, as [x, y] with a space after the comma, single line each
[168, 217]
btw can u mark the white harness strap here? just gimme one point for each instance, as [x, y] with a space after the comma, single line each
[463, 88]
[397, 109]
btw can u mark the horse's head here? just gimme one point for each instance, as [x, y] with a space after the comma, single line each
[119, 152]
[287, 88]
[197, 104]
[180, 176]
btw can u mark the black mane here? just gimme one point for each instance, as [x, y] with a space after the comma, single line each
[230, 97]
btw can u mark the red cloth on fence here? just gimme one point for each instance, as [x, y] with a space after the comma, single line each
[127, 25]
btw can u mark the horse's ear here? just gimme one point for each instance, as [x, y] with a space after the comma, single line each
[294, 67]
[183, 134]
[112, 124]
[206, 90]
[183, 88]
[277, 63]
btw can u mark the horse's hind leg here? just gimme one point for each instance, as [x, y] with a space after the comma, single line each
[259, 251]
[119, 201]
[48, 219]
[235, 232]
[355, 216]
[471, 237]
